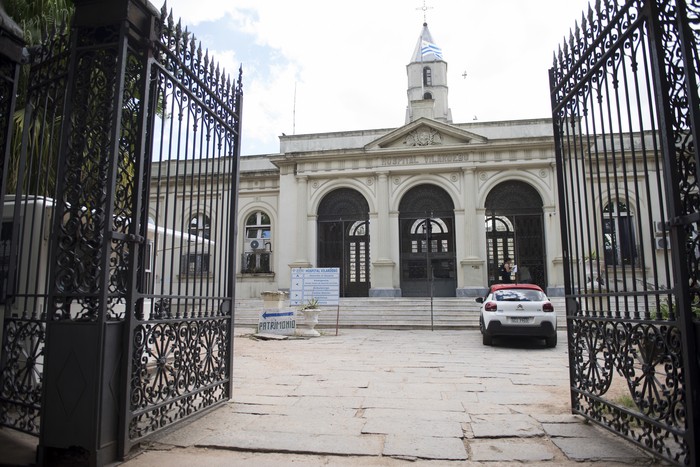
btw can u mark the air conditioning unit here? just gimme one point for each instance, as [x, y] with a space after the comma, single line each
[661, 243]
[660, 226]
[255, 244]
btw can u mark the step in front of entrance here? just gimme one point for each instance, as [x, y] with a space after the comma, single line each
[390, 313]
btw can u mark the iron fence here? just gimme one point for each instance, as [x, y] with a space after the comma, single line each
[118, 233]
[625, 107]
[28, 193]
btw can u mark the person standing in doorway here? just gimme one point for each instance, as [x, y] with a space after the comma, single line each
[505, 270]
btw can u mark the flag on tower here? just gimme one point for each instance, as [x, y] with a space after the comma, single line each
[430, 48]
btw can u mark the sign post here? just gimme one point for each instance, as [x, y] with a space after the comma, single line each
[321, 284]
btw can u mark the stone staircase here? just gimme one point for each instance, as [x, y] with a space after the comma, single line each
[390, 313]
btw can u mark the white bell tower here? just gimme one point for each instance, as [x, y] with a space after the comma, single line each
[427, 81]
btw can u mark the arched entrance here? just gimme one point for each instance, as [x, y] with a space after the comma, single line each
[426, 229]
[343, 239]
[514, 229]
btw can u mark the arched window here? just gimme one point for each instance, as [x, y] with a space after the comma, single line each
[343, 239]
[257, 246]
[515, 229]
[619, 238]
[427, 95]
[435, 230]
[500, 237]
[200, 225]
[196, 260]
[427, 76]
[427, 243]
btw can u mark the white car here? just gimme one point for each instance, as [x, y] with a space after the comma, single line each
[517, 310]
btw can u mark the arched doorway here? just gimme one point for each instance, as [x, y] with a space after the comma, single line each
[514, 229]
[427, 238]
[343, 239]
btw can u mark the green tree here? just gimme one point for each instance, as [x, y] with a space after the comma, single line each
[36, 17]
[39, 20]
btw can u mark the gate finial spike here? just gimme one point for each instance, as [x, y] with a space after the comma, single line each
[193, 43]
[171, 23]
[178, 33]
[561, 57]
[572, 43]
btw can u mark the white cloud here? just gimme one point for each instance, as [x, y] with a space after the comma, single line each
[349, 59]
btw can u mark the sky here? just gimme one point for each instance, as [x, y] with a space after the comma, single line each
[313, 66]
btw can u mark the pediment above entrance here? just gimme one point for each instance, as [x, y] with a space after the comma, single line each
[425, 132]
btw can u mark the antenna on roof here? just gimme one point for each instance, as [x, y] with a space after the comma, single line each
[425, 8]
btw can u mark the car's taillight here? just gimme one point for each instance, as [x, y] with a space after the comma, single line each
[548, 307]
[490, 306]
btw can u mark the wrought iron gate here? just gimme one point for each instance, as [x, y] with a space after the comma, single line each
[626, 120]
[119, 250]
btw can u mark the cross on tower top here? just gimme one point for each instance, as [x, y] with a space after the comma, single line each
[425, 8]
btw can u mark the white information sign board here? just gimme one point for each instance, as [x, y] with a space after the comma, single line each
[322, 284]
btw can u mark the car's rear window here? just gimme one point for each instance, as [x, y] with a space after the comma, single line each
[519, 295]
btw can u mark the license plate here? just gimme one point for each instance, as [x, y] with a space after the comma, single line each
[520, 320]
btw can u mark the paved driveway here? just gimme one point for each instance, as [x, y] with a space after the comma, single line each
[374, 397]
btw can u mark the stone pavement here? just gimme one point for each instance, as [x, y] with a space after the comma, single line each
[386, 398]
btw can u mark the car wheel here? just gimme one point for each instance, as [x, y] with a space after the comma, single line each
[481, 324]
[551, 340]
[486, 339]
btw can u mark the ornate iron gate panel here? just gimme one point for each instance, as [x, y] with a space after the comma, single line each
[180, 336]
[117, 241]
[626, 118]
[27, 216]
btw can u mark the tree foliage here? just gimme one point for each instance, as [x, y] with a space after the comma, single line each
[38, 17]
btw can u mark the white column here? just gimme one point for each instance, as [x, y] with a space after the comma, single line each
[470, 193]
[383, 215]
[383, 266]
[473, 263]
[302, 249]
[286, 229]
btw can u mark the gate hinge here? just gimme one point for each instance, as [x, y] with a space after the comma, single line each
[130, 238]
[684, 220]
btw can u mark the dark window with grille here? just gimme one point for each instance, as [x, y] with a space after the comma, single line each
[257, 247]
[618, 235]
[196, 261]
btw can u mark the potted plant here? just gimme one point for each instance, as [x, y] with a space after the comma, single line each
[310, 310]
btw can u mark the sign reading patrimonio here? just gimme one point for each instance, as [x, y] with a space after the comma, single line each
[275, 319]
[321, 284]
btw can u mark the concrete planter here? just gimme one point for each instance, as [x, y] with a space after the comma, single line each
[310, 322]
